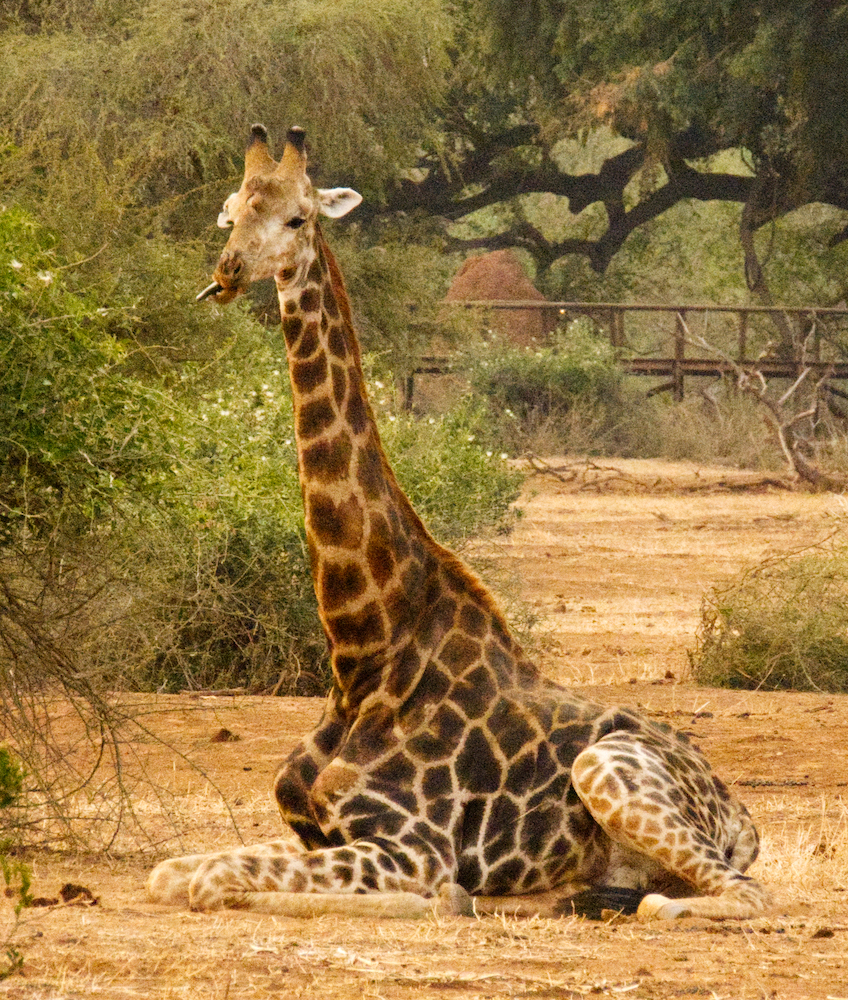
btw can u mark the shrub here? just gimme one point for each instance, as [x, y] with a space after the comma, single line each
[549, 391]
[238, 607]
[458, 487]
[172, 505]
[782, 625]
[76, 428]
[16, 875]
[718, 425]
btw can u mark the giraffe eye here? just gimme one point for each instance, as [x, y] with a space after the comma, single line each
[295, 223]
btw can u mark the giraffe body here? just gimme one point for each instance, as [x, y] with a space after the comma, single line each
[443, 758]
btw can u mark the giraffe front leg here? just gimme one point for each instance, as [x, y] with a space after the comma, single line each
[297, 775]
[169, 881]
[658, 800]
[338, 880]
[292, 791]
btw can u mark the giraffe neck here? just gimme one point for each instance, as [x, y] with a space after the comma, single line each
[373, 561]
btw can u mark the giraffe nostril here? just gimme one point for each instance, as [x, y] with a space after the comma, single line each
[232, 266]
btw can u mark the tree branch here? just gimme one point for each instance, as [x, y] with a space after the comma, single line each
[784, 424]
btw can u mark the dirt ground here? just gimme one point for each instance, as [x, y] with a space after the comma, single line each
[615, 561]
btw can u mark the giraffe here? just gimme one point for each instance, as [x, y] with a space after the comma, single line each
[444, 766]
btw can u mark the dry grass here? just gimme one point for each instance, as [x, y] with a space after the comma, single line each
[603, 550]
[804, 850]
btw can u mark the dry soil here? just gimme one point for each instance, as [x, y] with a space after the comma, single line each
[614, 561]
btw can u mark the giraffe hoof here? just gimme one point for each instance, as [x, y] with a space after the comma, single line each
[453, 901]
[657, 907]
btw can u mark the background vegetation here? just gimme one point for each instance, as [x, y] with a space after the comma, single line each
[150, 521]
[783, 625]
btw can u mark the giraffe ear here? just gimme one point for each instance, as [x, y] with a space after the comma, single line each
[224, 218]
[336, 202]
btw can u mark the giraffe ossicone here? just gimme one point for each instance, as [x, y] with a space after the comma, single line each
[444, 765]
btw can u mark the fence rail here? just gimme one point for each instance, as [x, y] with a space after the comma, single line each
[674, 363]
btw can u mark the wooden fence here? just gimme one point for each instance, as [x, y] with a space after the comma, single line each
[668, 357]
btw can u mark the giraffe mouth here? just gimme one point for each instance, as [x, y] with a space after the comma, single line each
[217, 293]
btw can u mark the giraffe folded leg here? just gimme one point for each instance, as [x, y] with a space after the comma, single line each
[451, 901]
[361, 879]
[657, 798]
[169, 881]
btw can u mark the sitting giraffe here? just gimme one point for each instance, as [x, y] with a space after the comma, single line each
[444, 765]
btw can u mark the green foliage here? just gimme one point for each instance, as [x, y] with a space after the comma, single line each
[395, 280]
[127, 127]
[77, 430]
[241, 610]
[781, 626]
[16, 874]
[11, 778]
[761, 77]
[140, 107]
[459, 488]
[574, 374]
[171, 502]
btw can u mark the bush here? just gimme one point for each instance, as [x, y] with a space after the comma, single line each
[538, 399]
[241, 610]
[153, 526]
[719, 425]
[77, 430]
[783, 625]
[458, 487]
[16, 875]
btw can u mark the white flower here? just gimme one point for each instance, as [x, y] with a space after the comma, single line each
[46, 277]
[16, 264]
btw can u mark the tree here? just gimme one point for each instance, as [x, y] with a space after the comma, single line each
[681, 81]
[131, 121]
[148, 106]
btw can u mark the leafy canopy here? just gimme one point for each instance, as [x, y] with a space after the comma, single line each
[681, 81]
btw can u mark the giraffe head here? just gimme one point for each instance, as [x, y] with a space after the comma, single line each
[273, 217]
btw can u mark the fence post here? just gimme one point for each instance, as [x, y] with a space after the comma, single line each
[814, 319]
[743, 336]
[679, 355]
[616, 322]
